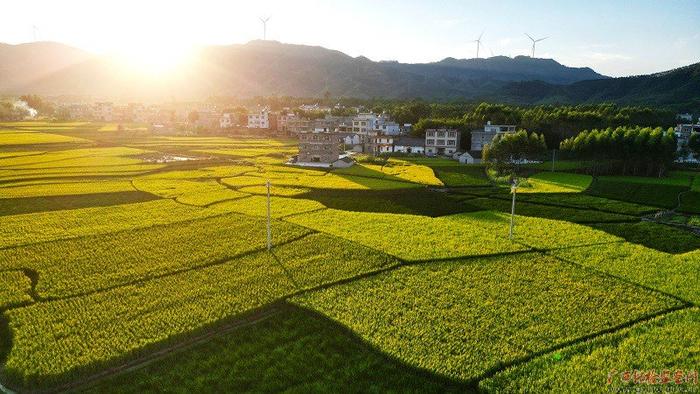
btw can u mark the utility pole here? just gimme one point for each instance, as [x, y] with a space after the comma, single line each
[269, 232]
[513, 190]
[554, 151]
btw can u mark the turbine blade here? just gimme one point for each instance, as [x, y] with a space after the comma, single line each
[528, 36]
[541, 39]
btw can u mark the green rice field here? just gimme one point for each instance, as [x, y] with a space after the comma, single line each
[124, 271]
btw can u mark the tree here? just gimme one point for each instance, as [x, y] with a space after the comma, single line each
[508, 151]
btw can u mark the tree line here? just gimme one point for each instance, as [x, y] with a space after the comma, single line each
[624, 150]
[555, 122]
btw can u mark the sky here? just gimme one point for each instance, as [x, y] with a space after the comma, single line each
[616, 38]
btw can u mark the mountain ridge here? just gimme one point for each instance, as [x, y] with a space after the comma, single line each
[268, 68]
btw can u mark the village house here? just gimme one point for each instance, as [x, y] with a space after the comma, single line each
[409, 145]
[441, 142]
[103, 111]
[259, 119]
[322, 149]
[380, 144]
[683, 133]
[227, 121]
[481, 138]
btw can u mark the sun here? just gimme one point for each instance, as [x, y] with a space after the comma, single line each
[154, 59]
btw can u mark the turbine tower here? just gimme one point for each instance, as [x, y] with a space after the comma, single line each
[478, 44]
[535, 42]
[35, 32]
[264, 22]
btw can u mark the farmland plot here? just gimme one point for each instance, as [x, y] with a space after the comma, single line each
[674, 274]
[668, 343]
[410, 237]
[484, 312]
[91, 263]
[48, 226]
[294, 350]
[15, 288]
[60, 340]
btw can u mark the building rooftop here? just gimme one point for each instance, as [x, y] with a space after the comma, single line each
[409, 141]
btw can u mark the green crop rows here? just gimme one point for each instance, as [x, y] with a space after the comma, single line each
[462, 318]
[126, 268]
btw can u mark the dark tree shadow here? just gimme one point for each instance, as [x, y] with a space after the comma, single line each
[296, 350]
[16, 206]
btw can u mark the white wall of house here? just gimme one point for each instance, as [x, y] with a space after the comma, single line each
[409, 149]
[259, 120]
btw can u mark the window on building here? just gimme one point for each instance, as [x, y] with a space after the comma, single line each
[430, 133]
[440, 133]
[452, 134]
[430, 142]
[440, 142]
[451, 142]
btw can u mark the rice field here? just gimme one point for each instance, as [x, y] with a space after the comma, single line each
[124, 270]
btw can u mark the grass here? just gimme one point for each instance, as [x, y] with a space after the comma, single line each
[60, 224]
[582, 201]
[395, 169]
[318, 180]
[417, 201]
[15, 289]
[652, 235]
[678, 274]
[557, 182]
[647, 193]
[8, 137]
[92, 332]
[463, 176]
[295, 350]
[18, 206]
[573, 215]
[65, 189]
[668, 343]
[188, 192]
[257, 206]
[410, 237]
[120, 258]
[690, 202]
[461, 319]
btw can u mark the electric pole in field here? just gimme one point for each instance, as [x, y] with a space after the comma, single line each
[269, 232]
[513, 190]
[554, 151]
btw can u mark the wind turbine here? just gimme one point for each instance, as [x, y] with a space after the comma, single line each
[535, 42]
[35, 31]
[264, 22]
[478, 44]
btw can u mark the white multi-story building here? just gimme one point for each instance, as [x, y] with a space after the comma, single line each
[364, 123]
[481, 138]
[259, 120]
[442, 142]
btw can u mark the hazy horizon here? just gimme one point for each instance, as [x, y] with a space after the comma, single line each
[613, 39]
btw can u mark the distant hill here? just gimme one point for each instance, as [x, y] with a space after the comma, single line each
[269, 68]
[21, 65]
[264, 68]
[677, 88]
